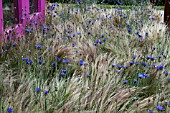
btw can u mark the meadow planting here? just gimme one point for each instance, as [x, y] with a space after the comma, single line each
[88, 59]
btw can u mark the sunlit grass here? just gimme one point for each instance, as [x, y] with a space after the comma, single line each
[88, 60]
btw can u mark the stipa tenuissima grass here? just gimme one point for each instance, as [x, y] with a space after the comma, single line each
[90, 60]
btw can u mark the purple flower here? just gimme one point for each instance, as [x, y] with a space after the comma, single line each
[45, 92]
[165, 72]
[104, 39]
[102, 35]
[14, 44]
[135, 80]
[37, 89]
[134, 56]
[120, 67]
[141, 75]
[88, 75]
[10, 110]
[58, 58]
[150, 111]
[29, 62]
[54, 64]
[131, 63]
[160, 67]
[38, 46]
[159, 108]
[113, 64]
[25, 59]
[125, 81]
[73, 35]
[81, 62]
[65, 60]
[40, 57]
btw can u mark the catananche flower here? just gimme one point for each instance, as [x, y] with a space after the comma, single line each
[14, 44]
[38, 46]
[150, 111]
[40, 57]
[141, 75]
[120, 66]
[102, 35]
[165, 72]
[125, 81]
[9, 110]
[88, 75]
[159, 67]
[65, 60]
[113, 64]
[81, 62]
[134, 57]
[46, 92]
[37, 89]
[159, 108]
[131, 63]
[135, 80]
[54, 64]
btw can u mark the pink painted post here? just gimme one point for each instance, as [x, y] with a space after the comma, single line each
[39, 6]
[16, 11]
[24, 11]
[1, 22]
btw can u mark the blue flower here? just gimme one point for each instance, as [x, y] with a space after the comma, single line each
[159, 108]
[37, 89]
[131, 63]
[120, 67]
[168, 79]
[150, 111]
[104, 39]
[97, 41]
[73, 35]
[45, 92]
[160, 67]
[81, 62]
[134, 57]
[146, 76]
[58, 58]
[40, 57]
[14, 44]
[135, 80]
[65, 60]
[10, 110]
[29, 62]
[145, 64]
[38, 46]
[113, 64]
[125, 81]
[54, 64]
[166, 73]
[64, 71]
[25, 59]
[102, 35]
[88, 75]
[78, 33]
[141, 75]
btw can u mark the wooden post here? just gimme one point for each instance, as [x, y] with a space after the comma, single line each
[167, 12]
[23, 11]
[1, 22]
[16, 11]
[39, 6]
